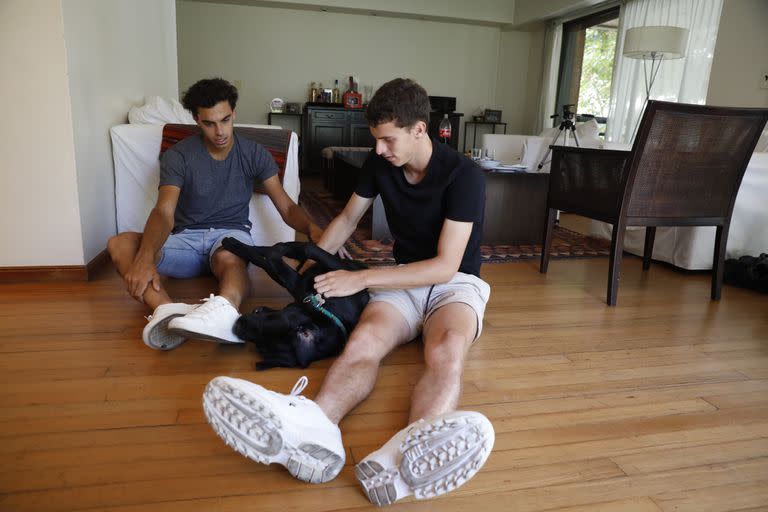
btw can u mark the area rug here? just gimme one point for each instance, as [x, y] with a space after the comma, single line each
[323, 207]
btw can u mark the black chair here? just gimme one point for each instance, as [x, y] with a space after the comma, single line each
[684, 169]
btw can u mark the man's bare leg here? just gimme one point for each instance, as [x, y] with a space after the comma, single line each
[122, 249]
[215, 318]
[441, 448]
[447, 335]
[352, 376]
[231, 272]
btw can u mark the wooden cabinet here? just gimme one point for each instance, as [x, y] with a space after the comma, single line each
[359, 131]
[326, 126]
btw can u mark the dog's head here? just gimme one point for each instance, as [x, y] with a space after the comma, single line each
[288, 337]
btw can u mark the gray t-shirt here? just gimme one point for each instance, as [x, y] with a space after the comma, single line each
[214, 194]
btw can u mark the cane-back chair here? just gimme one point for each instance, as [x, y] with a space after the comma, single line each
[684, 169]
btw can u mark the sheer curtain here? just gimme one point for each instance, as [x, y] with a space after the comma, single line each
[682, 80]
[553, 40]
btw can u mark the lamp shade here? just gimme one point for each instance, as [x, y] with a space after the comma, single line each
[651, 42]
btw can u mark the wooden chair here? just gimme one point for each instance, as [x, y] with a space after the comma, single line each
[684, 169]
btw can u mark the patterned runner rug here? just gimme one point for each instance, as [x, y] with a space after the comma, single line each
[322, 207]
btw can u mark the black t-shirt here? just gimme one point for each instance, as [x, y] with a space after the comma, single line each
[453, 188]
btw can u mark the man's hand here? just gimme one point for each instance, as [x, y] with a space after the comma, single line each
[344, 253]
[139, 276]
[339, 283]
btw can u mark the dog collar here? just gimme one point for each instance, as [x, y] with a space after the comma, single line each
[317, 301]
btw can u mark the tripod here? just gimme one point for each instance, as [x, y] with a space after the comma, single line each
[565, 126]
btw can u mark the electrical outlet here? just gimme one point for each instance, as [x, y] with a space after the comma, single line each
[764, 80]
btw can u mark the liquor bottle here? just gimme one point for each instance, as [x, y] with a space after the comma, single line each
[444, 130]
[312, 97]
[352, 98]
[336, 98]
[320, 93]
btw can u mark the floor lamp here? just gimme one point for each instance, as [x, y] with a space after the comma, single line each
[653, 44]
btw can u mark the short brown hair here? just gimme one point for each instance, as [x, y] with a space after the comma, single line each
[401, 101]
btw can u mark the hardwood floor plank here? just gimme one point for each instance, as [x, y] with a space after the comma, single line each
[660, 403]
[742, 497]
[666, 458]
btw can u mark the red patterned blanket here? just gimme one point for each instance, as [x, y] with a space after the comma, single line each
[275, 141]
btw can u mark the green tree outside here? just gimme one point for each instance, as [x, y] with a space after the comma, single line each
[597, 71]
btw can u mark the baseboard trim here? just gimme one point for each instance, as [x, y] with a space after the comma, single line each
[55, 272]
[97, 263]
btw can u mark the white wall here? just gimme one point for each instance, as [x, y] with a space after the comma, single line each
[71, 69]
[118, 52]
[519, 65]
[278, 52]
[39, 212]
[482, 11]
[741, 55]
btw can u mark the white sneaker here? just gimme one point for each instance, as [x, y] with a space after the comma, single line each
[271, 427]
[213, 320]
[156, 333]
[427, 458]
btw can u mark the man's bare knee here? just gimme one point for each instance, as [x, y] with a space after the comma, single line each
[363, 346]
[446, 353]
[222, 258]
[123, 246]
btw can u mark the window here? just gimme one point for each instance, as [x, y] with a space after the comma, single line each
[586, 65]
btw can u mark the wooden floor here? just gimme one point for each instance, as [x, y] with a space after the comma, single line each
[658, 404]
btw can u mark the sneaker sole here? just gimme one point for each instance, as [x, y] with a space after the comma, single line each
[207, 337]
[161, 338]
[249, 427]
[437, 458]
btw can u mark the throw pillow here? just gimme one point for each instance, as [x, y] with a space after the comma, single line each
[588, 133]
[157, 110]
[534, 149]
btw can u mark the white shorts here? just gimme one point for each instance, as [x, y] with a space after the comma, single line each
[417, 304]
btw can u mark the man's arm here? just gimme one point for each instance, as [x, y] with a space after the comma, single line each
[342, 227]
[453, 240]
[159, 225]
[291, 213]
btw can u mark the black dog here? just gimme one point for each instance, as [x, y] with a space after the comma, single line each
[308, 329]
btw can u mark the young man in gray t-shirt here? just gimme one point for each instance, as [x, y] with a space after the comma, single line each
[206, 183]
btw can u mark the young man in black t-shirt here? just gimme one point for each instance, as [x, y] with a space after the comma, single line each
[434, 200]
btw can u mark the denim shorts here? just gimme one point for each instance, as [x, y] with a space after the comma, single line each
[188, 253]
[417, 304]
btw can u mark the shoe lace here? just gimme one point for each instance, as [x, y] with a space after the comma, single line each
[208, 305]
[299, 387]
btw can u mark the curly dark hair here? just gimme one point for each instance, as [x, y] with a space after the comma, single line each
[401, 101]
[208, 92]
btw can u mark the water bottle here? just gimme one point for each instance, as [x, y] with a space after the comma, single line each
[444, 130]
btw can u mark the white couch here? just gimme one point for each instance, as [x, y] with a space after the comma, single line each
[136, 150]
[530, 150]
